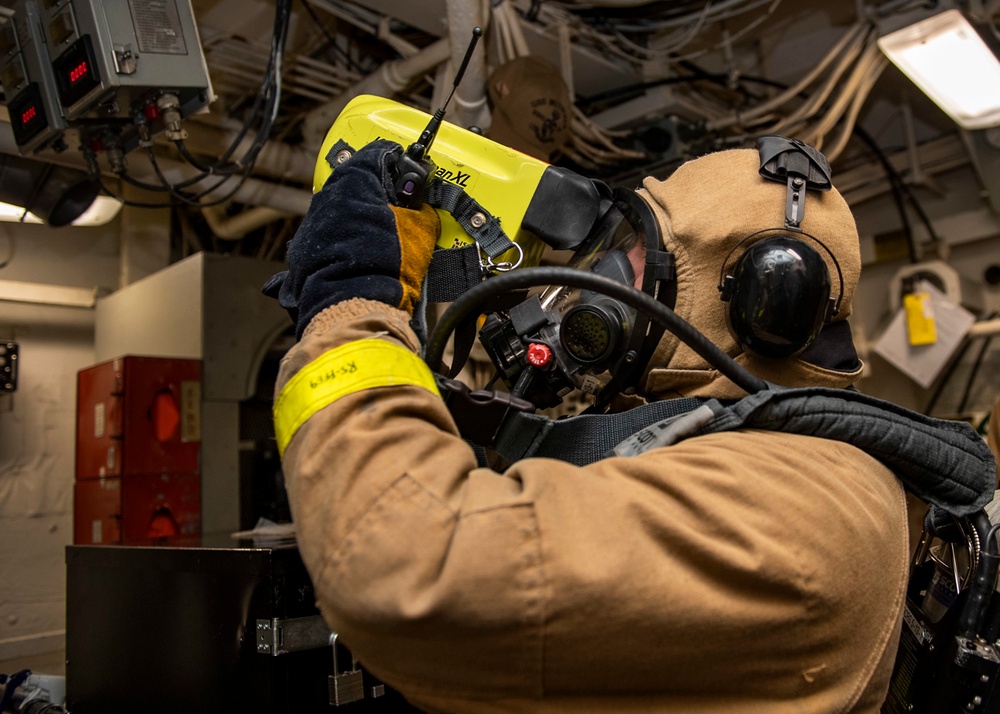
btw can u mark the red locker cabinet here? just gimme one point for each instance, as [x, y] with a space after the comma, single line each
[137, 509]
[138, 415]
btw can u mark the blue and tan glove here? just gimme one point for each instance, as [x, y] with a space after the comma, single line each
[353, 243]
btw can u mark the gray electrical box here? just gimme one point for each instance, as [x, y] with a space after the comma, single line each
[28, 82]
[115, 58]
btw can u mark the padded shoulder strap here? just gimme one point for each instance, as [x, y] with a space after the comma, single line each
[581, 439]
[945, 463]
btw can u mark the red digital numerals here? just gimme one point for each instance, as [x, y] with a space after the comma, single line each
[78, 72]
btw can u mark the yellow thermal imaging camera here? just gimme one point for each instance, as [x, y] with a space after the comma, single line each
[535, 203]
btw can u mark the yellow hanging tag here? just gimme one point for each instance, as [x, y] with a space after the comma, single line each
[920, 318]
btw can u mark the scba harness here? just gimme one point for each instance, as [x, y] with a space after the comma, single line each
[944, 463]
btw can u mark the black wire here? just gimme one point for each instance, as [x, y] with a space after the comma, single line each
[174, 189]
[164, 185]
[134, 204]
[267, 100]
[630, 90]
[973, 371]
[932, 402]
[190, 158]
[194, 161]
[902, 193]
[896, 184]
[272, 75]
[273, 94]
[351, 64]
[131, 180]
[903, 186]
[476, 297]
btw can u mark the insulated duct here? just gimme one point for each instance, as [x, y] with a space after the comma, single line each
[56, 194]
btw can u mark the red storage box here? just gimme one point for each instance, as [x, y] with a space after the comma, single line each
[136, 509]
[138, 415]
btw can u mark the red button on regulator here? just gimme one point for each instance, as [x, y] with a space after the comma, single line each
[539, 355]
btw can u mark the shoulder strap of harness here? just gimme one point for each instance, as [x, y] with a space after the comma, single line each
[945, 463]
[581, 439]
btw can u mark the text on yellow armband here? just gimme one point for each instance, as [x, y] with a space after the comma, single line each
[350, 368]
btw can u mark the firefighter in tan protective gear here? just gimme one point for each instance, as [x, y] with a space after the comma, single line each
[754, 572]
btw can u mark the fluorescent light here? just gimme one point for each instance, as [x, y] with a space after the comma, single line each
[101, 211]
[12, 214]
[948, 60]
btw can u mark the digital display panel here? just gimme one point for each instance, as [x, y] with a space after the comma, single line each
[76, 72]
[27, 114]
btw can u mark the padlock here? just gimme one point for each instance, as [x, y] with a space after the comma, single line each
[345, 687]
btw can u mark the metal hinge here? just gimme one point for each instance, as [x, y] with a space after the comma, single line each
[280, 636]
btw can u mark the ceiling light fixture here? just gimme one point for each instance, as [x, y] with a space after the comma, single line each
[949, 61]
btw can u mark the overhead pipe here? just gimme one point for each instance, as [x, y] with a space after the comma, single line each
[468, 105]
[288, 200]
[276, 159]
[387, 80]
[236, 227]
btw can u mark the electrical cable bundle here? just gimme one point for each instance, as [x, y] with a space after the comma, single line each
[653, 32]
[236, 171]
[841, 82]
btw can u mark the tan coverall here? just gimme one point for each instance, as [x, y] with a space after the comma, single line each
[751, 572]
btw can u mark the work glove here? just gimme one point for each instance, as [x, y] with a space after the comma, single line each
[354, 243]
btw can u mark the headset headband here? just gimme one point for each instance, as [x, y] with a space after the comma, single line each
[797, 165]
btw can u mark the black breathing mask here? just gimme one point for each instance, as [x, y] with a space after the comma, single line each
[562, 338]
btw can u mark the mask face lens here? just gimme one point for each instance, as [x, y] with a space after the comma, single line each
[589, 333]
[613, 235]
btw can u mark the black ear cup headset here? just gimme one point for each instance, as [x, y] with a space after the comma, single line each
[779, 290]
[779, 293]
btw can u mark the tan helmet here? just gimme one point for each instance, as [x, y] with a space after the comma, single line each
[705, 209]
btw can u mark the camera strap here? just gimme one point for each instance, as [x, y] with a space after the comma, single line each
[455, 270]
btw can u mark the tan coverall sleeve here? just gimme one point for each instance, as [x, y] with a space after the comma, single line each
[761, 570]
[993, 435]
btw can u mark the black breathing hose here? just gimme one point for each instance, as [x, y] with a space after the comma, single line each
[972, 617]
[477, 297]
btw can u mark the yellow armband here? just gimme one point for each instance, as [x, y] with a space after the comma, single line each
[350, 368]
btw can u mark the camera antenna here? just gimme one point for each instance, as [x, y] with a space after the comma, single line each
[414, 167]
